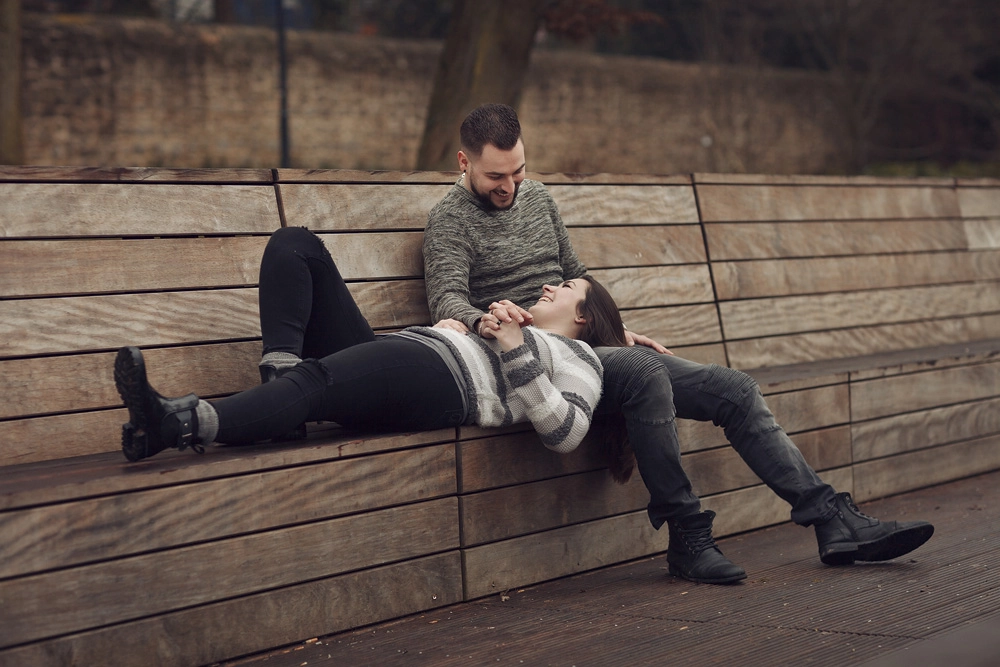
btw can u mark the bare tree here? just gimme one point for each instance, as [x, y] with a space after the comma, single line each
[11, 134]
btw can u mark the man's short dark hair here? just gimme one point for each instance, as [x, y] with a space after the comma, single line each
[495, 124]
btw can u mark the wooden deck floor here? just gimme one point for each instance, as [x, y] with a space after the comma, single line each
[938, 606]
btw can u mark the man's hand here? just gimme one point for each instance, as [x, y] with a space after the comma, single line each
[639, 339]
[454, 325]
[508, 311]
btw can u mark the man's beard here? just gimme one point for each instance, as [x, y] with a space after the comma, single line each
[484, 198]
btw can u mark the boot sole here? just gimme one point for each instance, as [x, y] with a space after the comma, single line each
[130, 381]
[891, 546]
[702, 580]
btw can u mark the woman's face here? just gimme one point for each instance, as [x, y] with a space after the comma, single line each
[560, 304]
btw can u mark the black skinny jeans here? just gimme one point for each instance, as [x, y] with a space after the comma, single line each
[347, 376]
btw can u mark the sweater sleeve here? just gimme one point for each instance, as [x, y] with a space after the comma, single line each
[560, 408]
[448, 260]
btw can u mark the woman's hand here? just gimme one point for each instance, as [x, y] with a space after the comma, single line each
[508, 311]
[454, 325]
[509, 334]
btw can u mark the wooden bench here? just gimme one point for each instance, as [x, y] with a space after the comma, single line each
[868, 309]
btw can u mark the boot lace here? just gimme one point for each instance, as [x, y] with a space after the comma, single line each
[854, 508]
[697, 541]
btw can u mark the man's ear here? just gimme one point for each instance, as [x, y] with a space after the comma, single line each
[463, 161]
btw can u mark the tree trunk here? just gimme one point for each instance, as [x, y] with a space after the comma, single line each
[11, 135]
[485, 59]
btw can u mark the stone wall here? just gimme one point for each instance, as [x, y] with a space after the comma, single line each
[131, 92]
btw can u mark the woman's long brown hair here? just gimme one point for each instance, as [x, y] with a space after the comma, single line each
[604, 327]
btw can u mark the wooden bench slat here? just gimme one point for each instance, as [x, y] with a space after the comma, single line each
[983, 234]
[678, 325]
[898, 434]
[776, 240]
[215, 632]
[518, 458]
[359, 207]
[217, 176]
[872, 399]
[615, 204]
[979, 202]
[657, 285]
[601, 247]
[787, 277]
[367, 256]
[74, 209]
[736, 203]
[847, 343]
[777, 316]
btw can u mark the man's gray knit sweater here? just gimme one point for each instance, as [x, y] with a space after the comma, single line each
[474, 256]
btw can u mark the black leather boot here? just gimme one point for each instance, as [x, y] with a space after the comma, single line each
[155, 422]
[852, 535]
[694, 555]
[269, 373]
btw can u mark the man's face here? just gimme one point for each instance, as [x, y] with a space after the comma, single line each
[495, 176]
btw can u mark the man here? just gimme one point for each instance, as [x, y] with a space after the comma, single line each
[497, 235]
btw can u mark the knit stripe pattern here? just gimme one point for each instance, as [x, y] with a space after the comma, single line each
[551, 381]
[474, 256]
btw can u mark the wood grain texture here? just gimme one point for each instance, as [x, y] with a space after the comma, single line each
[914, 470]
[623, 204]
[645, 287]
[787, 277]
[873, 399]
[518, 458]
[33, 440]
[71, 479]
[39, 174]
[90, 596]
[114, 526]
[44, 268]
[253, 623]
[929, 428]
[602, 247]
[72, 209]
[511, 511]
[359, 207]
[368, 256]
[810, 179]
[778, 316]
[357, 176]
[736, 203]
[983, 234]
[499, 566]
[979, 202]
[676, 326]
[777, 240]
[43, 385]
[811, 409]
[846, 343]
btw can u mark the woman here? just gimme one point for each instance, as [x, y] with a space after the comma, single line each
[421, 378]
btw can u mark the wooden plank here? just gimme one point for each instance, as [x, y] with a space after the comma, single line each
[41, 174]
[90, 596]
[121, 525]
[611, 179]
[676, 326]
[41, 268]
[983, 234]
[71, 209]
[90, 323]
[368, 206]
[500, 566]
[39, 439]
[254, 623]
[721, 470]
[105, 474]
[817, 179]
[758, 506]
[929, 428]
[517, 459]
[778, 316]
[42, 385]
[350, 176]
[601, 247]
[367, 256]
[511, 511]
[811, 408]
[787, 277]
[924, 359]
[914, 470]
[920, 391]
[643, 287]
[736, 203]
[624, 204]
[979, 202]
[846, 343]
[766, 240]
